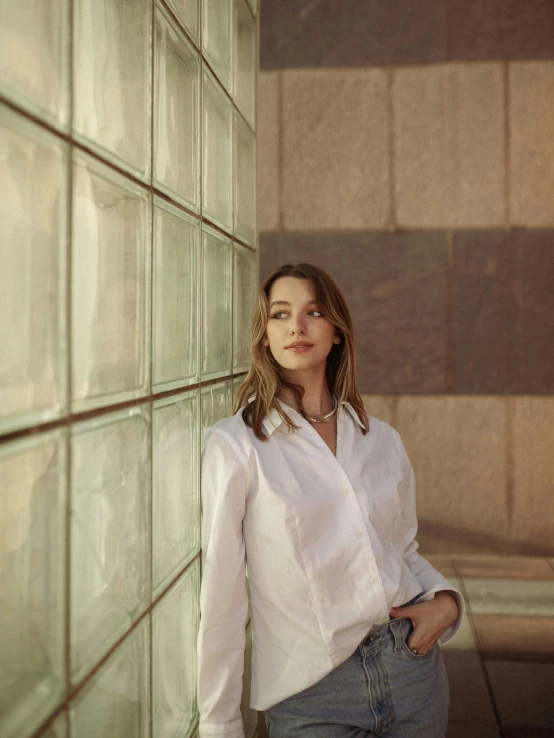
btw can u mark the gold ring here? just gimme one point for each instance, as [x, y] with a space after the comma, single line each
[413, 650]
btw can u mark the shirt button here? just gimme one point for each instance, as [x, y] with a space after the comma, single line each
[345, 489]
[359, 533]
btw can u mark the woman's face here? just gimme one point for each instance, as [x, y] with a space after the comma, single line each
[294, 319]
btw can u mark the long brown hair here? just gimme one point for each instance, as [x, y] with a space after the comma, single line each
[265, 378]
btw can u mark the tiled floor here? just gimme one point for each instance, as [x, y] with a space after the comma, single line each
[501, 663]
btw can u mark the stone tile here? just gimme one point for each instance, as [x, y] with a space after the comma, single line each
[395, 285]
[510, 597]
[449, 145]
[463, 730]
[349, 34]
[336, 149]
[503, 311]
[267, 142]
[533, 475]
[532, 143]
[523, 692]
[382, 407]
[457, 448]
[500, 29]
[469, 696]
[504, 637]
[505, 567]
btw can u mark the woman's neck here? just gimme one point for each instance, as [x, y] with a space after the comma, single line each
[317, 399]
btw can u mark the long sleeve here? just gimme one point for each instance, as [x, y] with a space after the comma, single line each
[223, 599]
[429, 579]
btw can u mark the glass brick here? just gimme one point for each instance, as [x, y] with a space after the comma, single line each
[116, 701]
[217, 38]
[217, 184]
[253, 6]
[245, 181]
[34, 56]
[33, 206]
[175, 621]
[245, 61]
[57, 728]
[216, 304]
[176, 298]
[245, 283]
[237, 381]
[214, 401]
[188, 12]
[249, 716]
[110, 286]
[110, 541]
[33, 514]
[176, 116]
[112, 79]
[176, 493]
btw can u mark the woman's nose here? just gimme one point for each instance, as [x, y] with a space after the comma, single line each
[298, 324]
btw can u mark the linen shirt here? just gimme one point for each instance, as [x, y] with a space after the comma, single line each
[330, 547]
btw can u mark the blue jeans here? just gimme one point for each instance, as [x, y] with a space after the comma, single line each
[381, 690]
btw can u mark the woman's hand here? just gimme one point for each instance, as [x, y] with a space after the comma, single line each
[430, 620]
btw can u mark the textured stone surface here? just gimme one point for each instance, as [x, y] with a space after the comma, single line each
[515, 638]
[469, 696]
[523, 692]
[457, 448]
[532, 143]
[463, 730]
[267, 142]
[335, 149]
[382, 407]
[500, 29]
[503, 311]
[533, 475]
[505, 567]
[395, 286]
[449, 145]
[327, 33]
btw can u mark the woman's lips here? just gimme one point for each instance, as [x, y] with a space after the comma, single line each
[300, 349]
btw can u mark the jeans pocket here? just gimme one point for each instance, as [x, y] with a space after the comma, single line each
[415, 656]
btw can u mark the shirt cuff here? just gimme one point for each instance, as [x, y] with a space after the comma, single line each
[221, 730]
[451, 631]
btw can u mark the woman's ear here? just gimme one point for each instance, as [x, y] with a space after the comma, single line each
[336, 339]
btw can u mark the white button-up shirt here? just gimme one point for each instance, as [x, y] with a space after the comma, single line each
[330, 547]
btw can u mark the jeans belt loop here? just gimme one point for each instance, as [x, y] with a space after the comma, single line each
[394, 626]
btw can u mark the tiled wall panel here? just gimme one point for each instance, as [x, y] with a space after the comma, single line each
[112, 314]
[33, 494]
[322, 146]
[449, 146]
[33, 213]
[532, 143]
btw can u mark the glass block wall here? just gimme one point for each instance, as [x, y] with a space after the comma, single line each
[128, 269]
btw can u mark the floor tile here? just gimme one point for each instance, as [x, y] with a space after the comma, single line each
[504, 567]
[523, 692]
[521, 731]
[510, 597]
[469, 696]
[515, 638]
[464, 730]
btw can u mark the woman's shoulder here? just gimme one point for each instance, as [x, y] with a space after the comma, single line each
[233, 429]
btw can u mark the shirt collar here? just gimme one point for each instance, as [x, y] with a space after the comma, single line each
[273, 421]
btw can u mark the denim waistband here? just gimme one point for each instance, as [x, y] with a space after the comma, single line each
[384, 629]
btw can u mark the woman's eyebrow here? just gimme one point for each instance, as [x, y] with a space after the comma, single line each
[284, 302]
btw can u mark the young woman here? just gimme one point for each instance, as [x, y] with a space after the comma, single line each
[318, 500]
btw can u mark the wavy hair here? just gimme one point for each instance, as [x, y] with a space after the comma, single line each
[265, 379]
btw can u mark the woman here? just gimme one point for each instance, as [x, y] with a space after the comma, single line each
[319, 501]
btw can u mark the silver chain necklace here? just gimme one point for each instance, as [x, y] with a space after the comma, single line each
[325, 418]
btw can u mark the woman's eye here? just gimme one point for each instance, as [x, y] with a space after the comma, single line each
[278, 314]
[318, 313]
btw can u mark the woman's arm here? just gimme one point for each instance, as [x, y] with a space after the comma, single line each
[440, 618]
[223, 599]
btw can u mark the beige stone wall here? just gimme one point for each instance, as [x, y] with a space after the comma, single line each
[448, 147]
